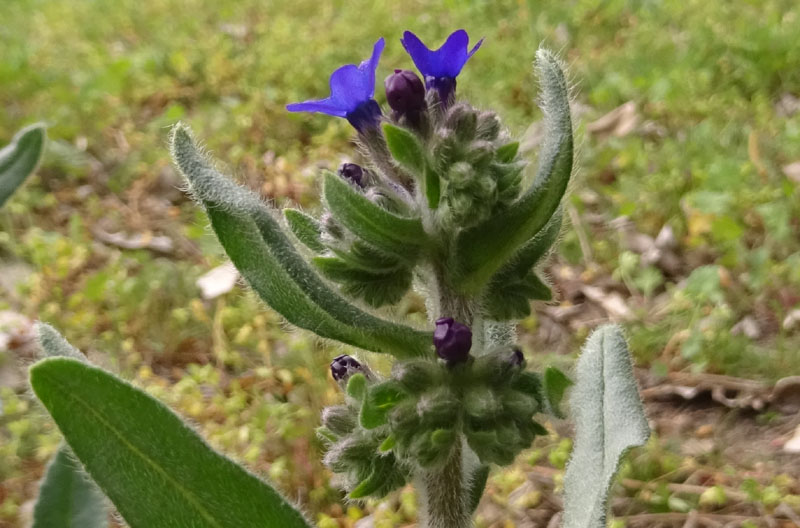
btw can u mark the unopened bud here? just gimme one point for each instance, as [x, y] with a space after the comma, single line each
[452, 340]
[344, 366]
[405, 92]
[353, 173]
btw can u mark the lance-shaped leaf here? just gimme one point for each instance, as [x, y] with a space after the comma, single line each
[19, 158]
[609, 420]
[155, 469]
[511, 289]
[266, 258]
[400, 236]
[405, 148]
[376, 289]
[483, 249]
[305, 228]
[67, 497]
[477, 483]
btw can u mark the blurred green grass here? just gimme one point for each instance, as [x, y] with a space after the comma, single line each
[707, 79]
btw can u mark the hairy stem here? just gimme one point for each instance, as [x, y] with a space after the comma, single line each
[444, 491]
[444, 494]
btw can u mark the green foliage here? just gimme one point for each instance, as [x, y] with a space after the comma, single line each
[398, 236]
[67, 497]
[405, 148]
[216, 67]
[19, 159]
[111, 427]
[485, 248]
[608, 413]
[266, 258]
[305, 228]
[555, 385]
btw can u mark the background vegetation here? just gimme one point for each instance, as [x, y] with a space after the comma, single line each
[685, 225]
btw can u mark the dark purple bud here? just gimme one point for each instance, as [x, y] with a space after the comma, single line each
[405, 92]
[452, 340]
[516, 357]
[353, 173]
[344, 366]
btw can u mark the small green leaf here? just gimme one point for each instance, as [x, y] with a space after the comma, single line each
[387, 444]
[433, 187]
[477, 483]
[555, 385]
[362, 256]
[507, 152]
[397, 235]
[357, 386]
[376, 289]
[532, 253]
[305, 228]
[266, 258]
[485, 248]
[53, 344]
[19, 159]
[609, 420]
[384, 477]
[156, 470]
[380, 399]
[405, 148]
[67, 497]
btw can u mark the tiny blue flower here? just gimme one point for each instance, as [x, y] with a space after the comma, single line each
[352, 88]
[440, 67]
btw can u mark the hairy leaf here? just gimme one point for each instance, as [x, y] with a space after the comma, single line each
[555, 385]
[379, 400]
[405, 148]
[477, 484]
[67, 497]
[609, 420]
[19, 159]
[394, 234]
[375, 288]
[155, 469]
[266, 258]
[305, 228]
[483, 249]
[507, 152]
[53, 344]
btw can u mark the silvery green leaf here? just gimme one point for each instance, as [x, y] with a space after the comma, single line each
[609, 420]
[484, 249]
[19, 159]
[155, 469]
[261, 251]
[67, 496]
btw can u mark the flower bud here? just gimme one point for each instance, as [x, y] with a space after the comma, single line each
[344, 366]
[452, 340]
[405, 92]
[339, 419]
[353, 173]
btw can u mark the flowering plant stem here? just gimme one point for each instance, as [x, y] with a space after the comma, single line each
[444, 493]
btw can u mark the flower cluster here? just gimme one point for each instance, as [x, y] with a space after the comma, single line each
[353, 87]
[415, 417]
[435, 170]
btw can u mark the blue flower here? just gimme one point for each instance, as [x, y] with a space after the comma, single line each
[441, 67]
[352, 88]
